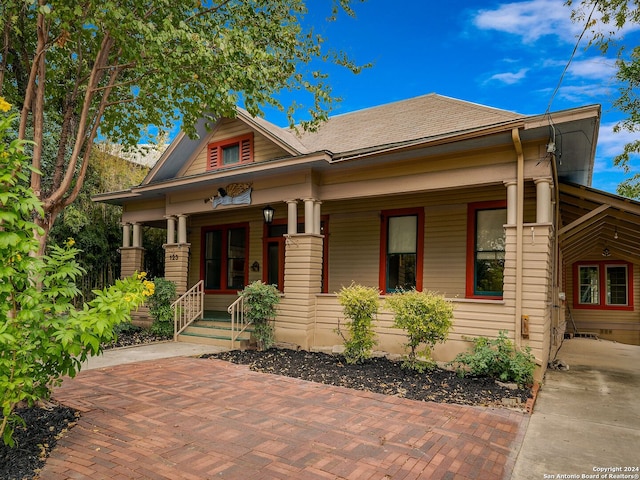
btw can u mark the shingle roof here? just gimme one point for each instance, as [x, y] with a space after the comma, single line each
[416, 118]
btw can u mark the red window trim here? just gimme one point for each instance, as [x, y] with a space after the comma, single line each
[602, 285]
[385, 215]
[325, 250]
[472, 208]
[214, 151]
[223, 281]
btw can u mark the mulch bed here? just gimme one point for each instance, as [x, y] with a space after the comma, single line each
[381, 375]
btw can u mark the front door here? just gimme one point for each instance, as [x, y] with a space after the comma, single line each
[274, 246]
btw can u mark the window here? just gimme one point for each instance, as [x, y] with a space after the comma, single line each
[402, 245]
[224, 259]
[230, 152]
[486, 249]
[603, 285]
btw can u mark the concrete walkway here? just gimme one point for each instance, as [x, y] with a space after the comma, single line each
[189, 418]
[586, 418]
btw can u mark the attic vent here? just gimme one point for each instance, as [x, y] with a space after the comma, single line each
[230, 151]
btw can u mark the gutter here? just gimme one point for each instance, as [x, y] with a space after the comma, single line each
[517, 143]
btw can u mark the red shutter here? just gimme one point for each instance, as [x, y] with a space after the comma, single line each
[213, 157]
[245, 150]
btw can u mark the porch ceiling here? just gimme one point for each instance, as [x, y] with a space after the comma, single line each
[591, 219]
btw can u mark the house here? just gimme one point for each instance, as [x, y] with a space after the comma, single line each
[491, 208]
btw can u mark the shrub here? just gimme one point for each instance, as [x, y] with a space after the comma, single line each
[497, 358]
[43, 337]
[360, 304]
[427, 319]
[160, 307]
[260, 302]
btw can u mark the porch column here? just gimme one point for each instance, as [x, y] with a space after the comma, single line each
[317, 214]
[182, 228]
[309, 222]
[292, 217]
[171, 229]
[512, 202]
[543, 200]
[137, 235]
[126, 235]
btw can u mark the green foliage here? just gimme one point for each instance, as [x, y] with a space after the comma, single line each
[43, 337]
[360, 305]
[427, 319]
[497, 358]
[260, 302]
[160, 307]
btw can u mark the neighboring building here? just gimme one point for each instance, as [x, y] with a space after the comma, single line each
[491, 208]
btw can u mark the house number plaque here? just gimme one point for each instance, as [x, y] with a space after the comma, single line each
[174, 256]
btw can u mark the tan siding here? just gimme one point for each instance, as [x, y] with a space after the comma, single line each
[624, 325]
[263, 148]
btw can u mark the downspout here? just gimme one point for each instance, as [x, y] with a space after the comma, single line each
[517, 143]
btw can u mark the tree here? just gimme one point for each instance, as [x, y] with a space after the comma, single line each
[111, 68]
[606, 18]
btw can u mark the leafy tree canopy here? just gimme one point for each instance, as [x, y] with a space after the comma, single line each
[113, 67]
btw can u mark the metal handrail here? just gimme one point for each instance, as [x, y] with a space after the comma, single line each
[188, 308]
[238, 321]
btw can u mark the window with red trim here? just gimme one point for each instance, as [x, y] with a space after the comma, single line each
[486, 249]
[603, 285]
[229, 152]
[224, 265]
[401, 250]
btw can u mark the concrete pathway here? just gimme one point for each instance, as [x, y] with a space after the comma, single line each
[587, 418]
[189, 418]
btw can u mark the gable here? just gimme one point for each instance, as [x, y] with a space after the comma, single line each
[255, 147]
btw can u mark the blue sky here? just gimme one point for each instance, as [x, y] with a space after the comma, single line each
[508, 55]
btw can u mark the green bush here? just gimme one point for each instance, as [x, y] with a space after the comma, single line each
[497, 358]
[260, 302]
[427, 319]
[43, 337]
[160, 307]
[360, 304]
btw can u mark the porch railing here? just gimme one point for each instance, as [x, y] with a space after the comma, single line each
[238, 321]
[188, 308]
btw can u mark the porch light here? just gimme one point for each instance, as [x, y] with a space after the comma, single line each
[268, 212]
[615, 234]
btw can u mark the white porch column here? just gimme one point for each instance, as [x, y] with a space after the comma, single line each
[292, 217]
[543, 200]
[171, 229]
[182, 228]
[137, 234]
[317, 214]
[309, 208]
[512, 202]
[126, 235]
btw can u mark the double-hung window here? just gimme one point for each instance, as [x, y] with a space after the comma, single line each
[402, 245]
[224, 260]
[486, 249]
[230, 152]
[603, 285]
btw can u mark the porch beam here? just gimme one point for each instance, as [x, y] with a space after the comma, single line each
[584, 218]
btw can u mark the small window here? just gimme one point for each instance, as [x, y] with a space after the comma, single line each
[603, 285]
[230, 152]
[486, 249]
[402, 245]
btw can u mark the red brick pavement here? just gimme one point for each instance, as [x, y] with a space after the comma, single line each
[189, 418]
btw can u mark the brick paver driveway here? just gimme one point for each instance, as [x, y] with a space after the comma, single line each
[189, 418]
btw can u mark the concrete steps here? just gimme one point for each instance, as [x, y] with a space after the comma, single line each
[214, 329]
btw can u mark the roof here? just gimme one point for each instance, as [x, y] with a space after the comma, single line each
[416, 118]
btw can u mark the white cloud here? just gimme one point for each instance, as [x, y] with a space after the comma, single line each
[510, 78]
[612, 143]
[530, 19]
[597, 68]
[578, 94]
